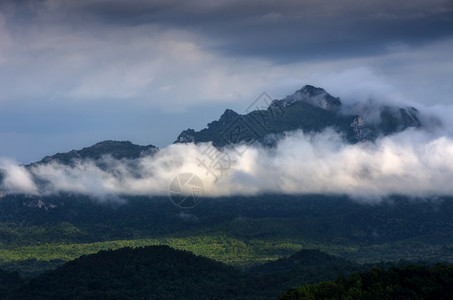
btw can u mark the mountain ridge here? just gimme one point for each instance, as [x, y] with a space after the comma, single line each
[161, 272]
[311, 109]
[116, 149]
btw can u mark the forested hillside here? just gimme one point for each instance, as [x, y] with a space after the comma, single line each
[408, 282]
[40, 233]
[160, 272]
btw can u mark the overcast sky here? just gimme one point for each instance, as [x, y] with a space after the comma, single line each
[73, 73]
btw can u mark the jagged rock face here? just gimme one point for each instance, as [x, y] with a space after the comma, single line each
[228, 116]
[65, 157]
[361, 129]
[398, 119]
[311, 109]
[314, 96]
[39, 203]
[187, 136]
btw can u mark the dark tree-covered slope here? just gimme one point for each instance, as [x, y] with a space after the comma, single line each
[160, 272]
[155, 272]
[303, 267]
[407, 282]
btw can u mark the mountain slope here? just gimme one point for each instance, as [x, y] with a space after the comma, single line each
[115, 149]
[9, 281]
[156, 272]
[311, 109]
[306, 258]
[401, 282]
[304, 267]
[160, 272]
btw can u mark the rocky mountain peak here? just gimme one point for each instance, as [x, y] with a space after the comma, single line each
[187, 136]
[314, 96]
[228, 116]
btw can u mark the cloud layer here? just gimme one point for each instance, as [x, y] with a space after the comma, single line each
[413, 163]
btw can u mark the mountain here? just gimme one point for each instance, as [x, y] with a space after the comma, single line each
[41, 232]
[314, 96]
[156, 272]
[161, 272]
[9, 281]
[304, 267]
[398, 282]
[306, 258]
[115, 149]
[310, 109]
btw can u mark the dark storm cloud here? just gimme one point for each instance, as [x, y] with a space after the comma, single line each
[283, 30]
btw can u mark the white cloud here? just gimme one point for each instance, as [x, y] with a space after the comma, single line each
[414, 163]
[16, 179]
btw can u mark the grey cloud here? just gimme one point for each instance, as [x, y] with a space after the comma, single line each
[281, 31]
[128, 49]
